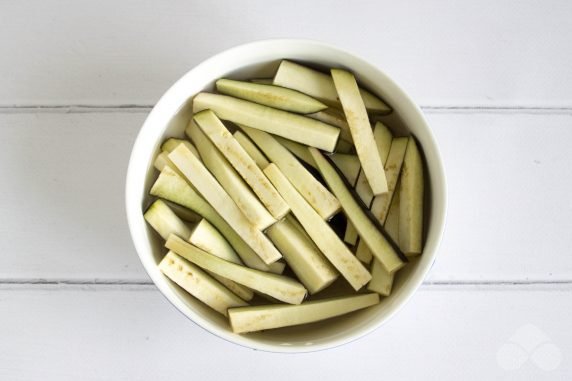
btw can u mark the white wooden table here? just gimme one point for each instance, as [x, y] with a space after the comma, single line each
[78, 79]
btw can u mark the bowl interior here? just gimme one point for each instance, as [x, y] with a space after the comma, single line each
[259, 60]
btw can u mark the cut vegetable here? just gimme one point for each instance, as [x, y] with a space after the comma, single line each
[251, 149]
[344, 146]
[210, 189]
[264, 81]
[380, 204]
[411, 202]
[335, 118]
[320, 86]
[257, 318]
[363, 189]
[361, 131]
[348, 164]
[171, 186]
[161, 161]
[183, 213]
[248, 191]
[363, 253]
[172, 143]
[269, 95]
[282, 123]
[392, 221]
[316, 194]
[165, 222]
[199, 284]
[305, 259]
[242, 162]
[319, 231]
[206, 237]
[297, 225]
[230, 180]
[299, 150]
[367, 227]
[391, 225]
[239, 290]
[381, 281]
[351, 235]
[383, 138]
[280, 287]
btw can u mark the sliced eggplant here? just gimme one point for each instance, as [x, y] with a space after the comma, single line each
[319, 231]
[348, 164]
[251, 149]
[363, 253]
[381, 281]
[199, 284]
[315, 193]
[361, 131]
[280, 287]
[299, 150]
[367, 227]
[196, 173]
[165, 222]
[269, 95]
[380, 204]
[242, 162]
[183, 213]
[172, 187]
[170, 144]
[411, 201]
[320, 86]
[282, 123]
[230, 180]
[336, 118]
[258, 318]
[303, 257]
[350, 235]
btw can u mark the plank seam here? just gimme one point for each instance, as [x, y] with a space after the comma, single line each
[143, 108]
[74, 109]
[121, 282]
[75, 282]
[498, 282]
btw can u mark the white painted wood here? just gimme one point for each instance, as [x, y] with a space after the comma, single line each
[510, 203]
[62, 196]
[442, 52]
[509, 196]
[452, 333]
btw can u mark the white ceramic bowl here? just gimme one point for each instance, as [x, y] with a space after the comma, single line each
[260, 59]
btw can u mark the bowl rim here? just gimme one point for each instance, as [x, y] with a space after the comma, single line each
[167, 106]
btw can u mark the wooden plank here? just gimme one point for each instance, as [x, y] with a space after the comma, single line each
[508, 196]
[94, 333]
[62, 196]
[484, 53]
